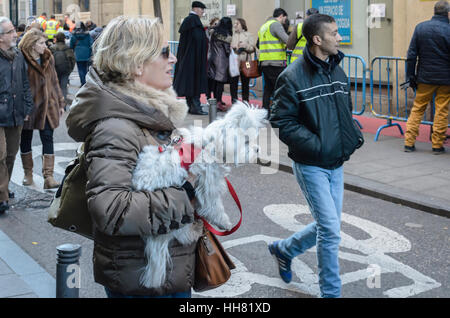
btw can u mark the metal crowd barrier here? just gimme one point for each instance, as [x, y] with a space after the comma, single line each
[174, 50]
[356, 69]
[397, 100]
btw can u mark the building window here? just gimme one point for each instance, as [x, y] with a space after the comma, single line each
[84, 5]
[57, 7]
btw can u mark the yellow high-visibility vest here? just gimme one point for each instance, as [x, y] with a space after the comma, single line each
[301, 44]
[270, 47]
[41, 21]
[51, 29]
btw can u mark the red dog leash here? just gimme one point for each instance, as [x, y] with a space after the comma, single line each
[238, 203]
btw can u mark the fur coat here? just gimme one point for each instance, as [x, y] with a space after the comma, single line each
[47, 95]
[113, 116]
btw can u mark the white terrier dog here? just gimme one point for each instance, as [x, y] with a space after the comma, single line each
[231, 139]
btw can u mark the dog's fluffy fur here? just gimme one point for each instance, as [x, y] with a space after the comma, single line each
[154, 170]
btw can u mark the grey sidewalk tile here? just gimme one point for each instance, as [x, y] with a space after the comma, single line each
[422, 183]
[19, 261]
[42, 284]
[12, 285]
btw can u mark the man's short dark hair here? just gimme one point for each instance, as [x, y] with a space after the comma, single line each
[311, 11]
[313, 25]
[52, 16]
[279, 11]
[442, 8]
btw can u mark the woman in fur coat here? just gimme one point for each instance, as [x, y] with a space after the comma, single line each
[49, 106]
[126, 104]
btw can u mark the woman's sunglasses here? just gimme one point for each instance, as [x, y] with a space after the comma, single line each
[165, 52]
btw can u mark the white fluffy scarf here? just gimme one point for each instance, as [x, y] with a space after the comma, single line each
[165, 101]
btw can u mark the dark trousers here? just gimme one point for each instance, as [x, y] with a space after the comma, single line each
[193, 102]
[46, 139]
[245, 87]
[82, 70]
[217, 89]
[63, 82]
[9, 145]
[271, 74]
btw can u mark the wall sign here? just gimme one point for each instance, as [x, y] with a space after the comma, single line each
[341, 11]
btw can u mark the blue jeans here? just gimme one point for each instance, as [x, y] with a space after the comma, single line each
[324, 191]
[111, 294]
[82, 70]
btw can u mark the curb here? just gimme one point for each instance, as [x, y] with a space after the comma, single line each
[385, 192]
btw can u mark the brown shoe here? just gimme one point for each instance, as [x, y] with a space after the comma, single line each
[27, 163]
[48, 163]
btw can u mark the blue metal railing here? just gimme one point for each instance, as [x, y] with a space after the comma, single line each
[397, 109]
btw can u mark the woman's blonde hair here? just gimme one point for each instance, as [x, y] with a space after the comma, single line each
[126, 44]
[30, 38]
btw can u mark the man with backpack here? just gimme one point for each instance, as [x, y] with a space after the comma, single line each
[64, 61]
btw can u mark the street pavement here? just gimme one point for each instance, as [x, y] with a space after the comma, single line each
[381, 169]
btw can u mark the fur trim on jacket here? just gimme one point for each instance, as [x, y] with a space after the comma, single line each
[165, 101]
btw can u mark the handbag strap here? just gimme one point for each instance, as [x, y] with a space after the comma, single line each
[238, 203]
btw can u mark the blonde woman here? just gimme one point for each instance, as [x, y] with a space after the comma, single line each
[49, 106]
[244, 45]
[128, 93]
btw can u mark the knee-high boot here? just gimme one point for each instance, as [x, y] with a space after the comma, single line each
[48, 163]
[27, 163]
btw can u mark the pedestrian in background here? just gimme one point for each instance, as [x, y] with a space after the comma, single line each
[244, 45]
[81, 43]
[64, 61]
[128, 96]
[272, 39]
[49, 106]
[312, 109]
[296, 41]
[190, 78]
[15, 107]
[218, 59]
[430, 49]
[212, 23]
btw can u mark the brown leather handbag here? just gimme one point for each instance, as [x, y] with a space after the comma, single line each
[250, 69]
[213, 265]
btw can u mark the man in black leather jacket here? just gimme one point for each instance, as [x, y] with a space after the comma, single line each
[312, 109]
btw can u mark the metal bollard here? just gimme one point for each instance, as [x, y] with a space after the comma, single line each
[68, 271]
[212, 102]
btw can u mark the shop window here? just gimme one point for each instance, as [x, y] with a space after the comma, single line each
[84, 5]
[57, 6]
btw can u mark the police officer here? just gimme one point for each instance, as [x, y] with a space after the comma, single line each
[272, 40]
[52, 28]
[296, 41]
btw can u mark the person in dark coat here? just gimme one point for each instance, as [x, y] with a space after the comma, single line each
[190, 78]
[16, 104]
[81, 42]
[312, 110]
[218, 58]
[430, 45]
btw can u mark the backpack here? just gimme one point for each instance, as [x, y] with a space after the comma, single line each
[62, 63]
